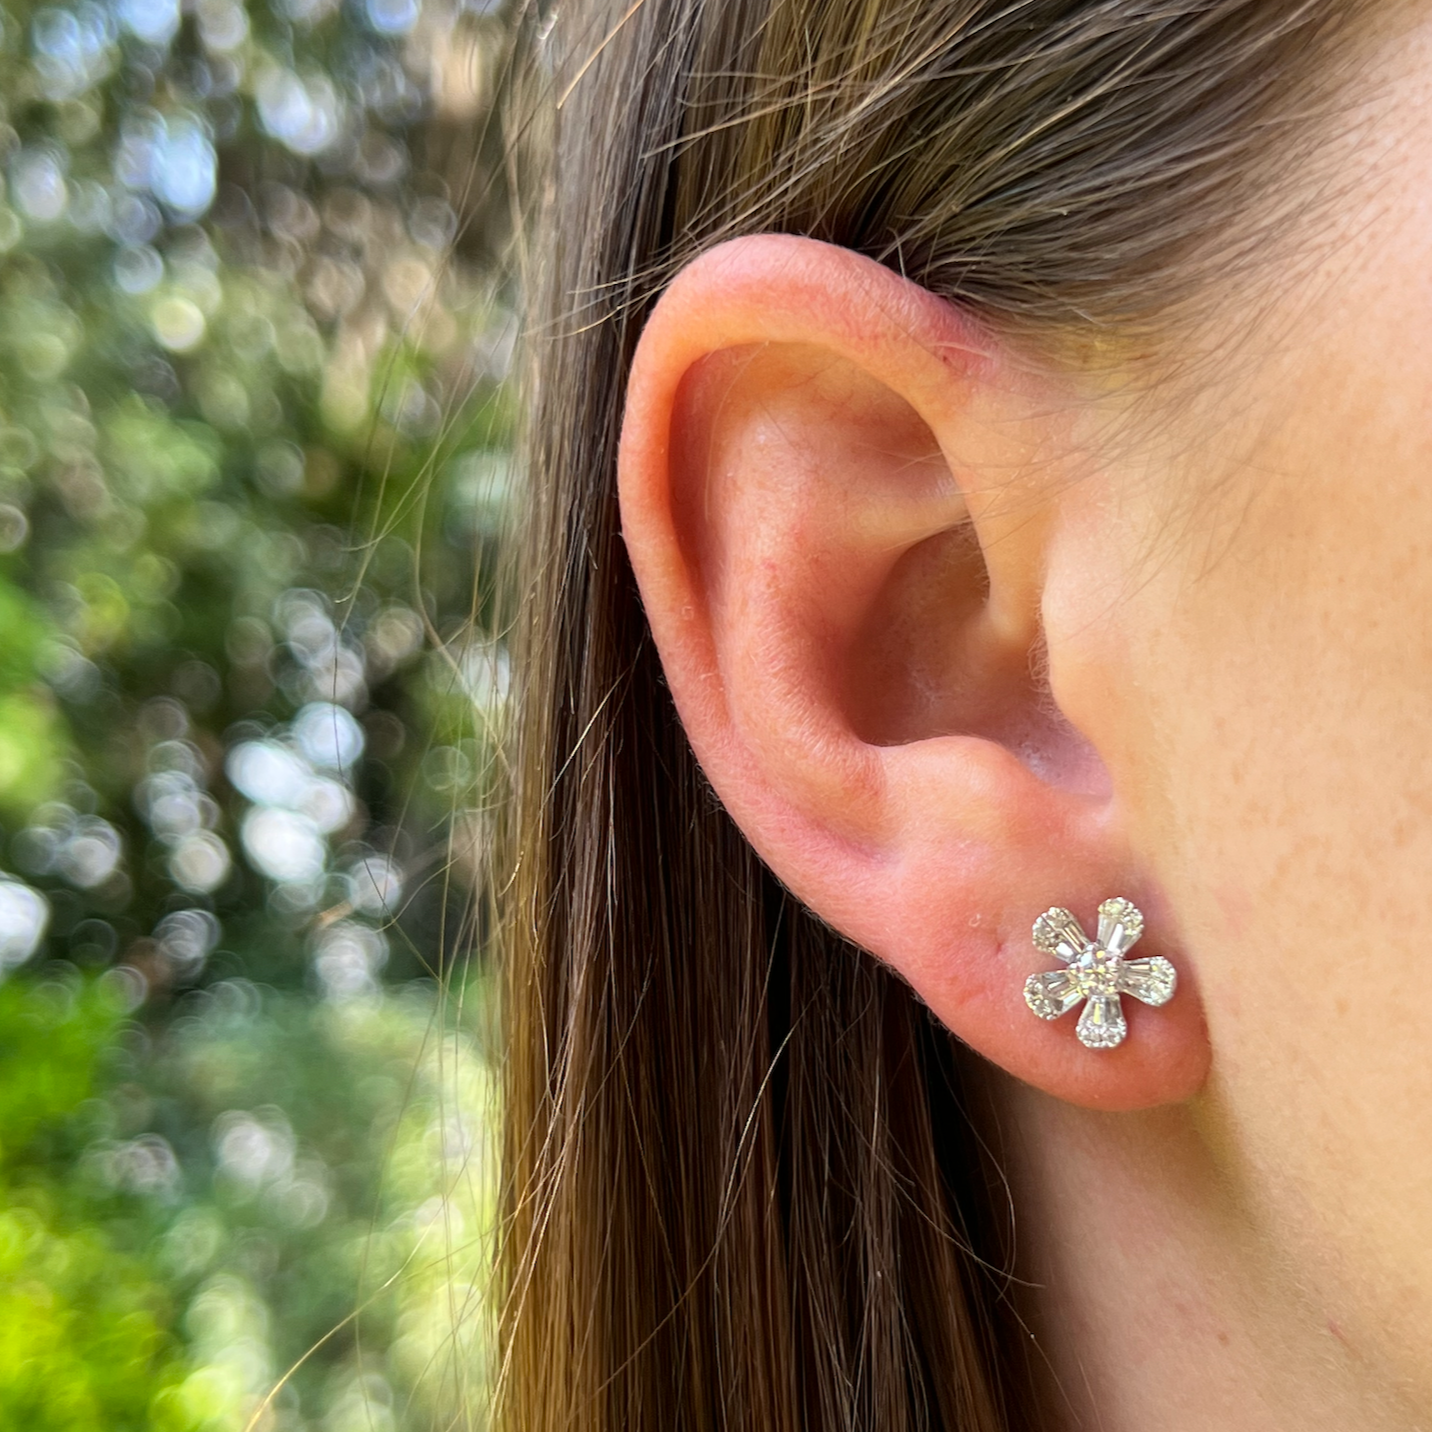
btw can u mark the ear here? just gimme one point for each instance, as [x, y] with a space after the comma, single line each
[843, 501]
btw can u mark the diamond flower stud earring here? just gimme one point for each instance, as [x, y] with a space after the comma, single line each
[1096, 971]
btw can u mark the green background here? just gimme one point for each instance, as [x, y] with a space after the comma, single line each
[254, 433]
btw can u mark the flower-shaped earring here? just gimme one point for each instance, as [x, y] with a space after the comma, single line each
[1096, 971]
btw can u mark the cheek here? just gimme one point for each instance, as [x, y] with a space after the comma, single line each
[1273, 759]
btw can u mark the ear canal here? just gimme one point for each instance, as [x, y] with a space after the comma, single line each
[928, 662]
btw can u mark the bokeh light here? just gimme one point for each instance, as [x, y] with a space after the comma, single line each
[24, 916]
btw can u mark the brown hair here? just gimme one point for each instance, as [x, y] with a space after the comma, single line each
[742, 1183]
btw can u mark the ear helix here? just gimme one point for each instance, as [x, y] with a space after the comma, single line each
[1097, 972]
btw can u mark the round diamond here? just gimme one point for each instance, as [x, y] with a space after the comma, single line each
[1096, 972]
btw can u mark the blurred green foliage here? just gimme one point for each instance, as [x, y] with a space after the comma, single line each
[254, 435]
[84, 1327]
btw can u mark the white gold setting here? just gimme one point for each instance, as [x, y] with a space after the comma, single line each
[1097, 972]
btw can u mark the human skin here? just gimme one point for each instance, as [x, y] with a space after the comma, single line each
[1268, 649]
[958, 633]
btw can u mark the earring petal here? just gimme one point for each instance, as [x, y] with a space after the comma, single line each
[1120, 925]
[1153, 980]
[1052, 993]
[1102, 1025]
[1058, 933]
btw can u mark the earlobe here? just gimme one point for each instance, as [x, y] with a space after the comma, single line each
[839, 499]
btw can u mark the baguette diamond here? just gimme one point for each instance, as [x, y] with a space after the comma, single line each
[1096, 972]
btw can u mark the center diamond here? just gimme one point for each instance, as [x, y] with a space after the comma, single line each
[1096, 972]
